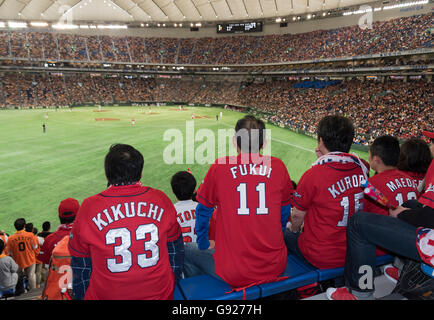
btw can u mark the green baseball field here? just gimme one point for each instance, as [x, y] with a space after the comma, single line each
[39, 169]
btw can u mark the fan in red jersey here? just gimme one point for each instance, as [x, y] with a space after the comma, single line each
[326, 196]
[395, 184]
[252, 194]
[125, 231]
[68, 209]
[407, 232]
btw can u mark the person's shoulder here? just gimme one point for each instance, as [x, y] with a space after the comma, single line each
[157, 193]
[225, 160]
[406, 174]
[50, 237]
[382, 176]
[7, 260]
[12, 236]
[30, 235]
[274, 161]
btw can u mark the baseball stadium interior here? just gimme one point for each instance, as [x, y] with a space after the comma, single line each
[287, 62]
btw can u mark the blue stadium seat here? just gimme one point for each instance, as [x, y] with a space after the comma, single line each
[326, 274]
[299, 275]
[206, 287]
[178, 294]
[382, 260]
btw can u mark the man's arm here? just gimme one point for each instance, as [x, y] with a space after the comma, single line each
[176, 256]
[297, 219]
[203, 215]
[418, 217]
[81, 271]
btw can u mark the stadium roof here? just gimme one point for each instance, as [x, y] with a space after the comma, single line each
[130, 11]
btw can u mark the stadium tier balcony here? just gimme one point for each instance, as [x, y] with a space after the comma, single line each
[400, 34]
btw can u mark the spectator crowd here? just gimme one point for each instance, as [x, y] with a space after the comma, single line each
[400, 34]
[390, 107]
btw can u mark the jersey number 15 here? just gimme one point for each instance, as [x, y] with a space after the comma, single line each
[345, 203]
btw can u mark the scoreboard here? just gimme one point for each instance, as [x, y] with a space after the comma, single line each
[239, 27]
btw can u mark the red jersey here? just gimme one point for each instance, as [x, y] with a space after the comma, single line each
[51, 240]
[329, 193]
[249, 194]
[396, 186]
[416, 176]
[427, 198]
[125, 230]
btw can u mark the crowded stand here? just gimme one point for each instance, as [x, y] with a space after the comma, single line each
[400, 34]
[391, 107]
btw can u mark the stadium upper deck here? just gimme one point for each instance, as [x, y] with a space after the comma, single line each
[401, 34]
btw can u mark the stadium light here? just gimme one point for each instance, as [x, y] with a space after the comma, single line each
[39, 24]
[84, 26]
[14, 24]
[62, 26]
[357, 11]
[407, 4]
[278, 20]
[112, 26]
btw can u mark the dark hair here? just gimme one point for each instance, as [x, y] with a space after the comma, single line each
[415, 156]
[249, 132]
[2, 246]
[29, 227]
[336, 132]
[387, 148]
[19, 224]
[66, 220]
[183, 184]
[46, 226]
[123, 165]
